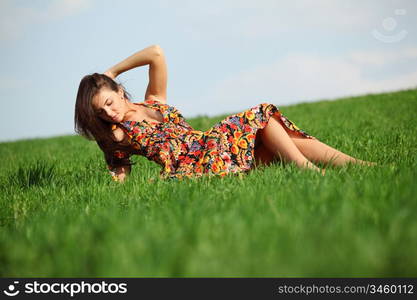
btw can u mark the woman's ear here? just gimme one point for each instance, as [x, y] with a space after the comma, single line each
[121, 92]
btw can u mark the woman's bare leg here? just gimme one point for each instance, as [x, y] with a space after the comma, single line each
[316, 151]
[275, 139]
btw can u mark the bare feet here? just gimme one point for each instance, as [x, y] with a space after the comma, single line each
[310, 165]
[367, 163]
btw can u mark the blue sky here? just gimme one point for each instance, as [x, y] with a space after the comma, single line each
[223, 56]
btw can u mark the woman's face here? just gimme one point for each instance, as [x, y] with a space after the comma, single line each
[109, 105]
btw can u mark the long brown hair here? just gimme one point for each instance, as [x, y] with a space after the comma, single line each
[92, 127]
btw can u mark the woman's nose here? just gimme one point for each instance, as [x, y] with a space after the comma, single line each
[108, 112]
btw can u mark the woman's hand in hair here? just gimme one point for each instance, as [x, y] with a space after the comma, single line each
[110, 74]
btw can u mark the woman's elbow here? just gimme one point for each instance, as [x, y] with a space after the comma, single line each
[158, 49]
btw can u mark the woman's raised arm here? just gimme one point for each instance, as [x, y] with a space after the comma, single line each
[138, 59]
[158, 77]
[158, 74]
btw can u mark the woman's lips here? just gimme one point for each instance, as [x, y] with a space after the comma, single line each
[114, 118]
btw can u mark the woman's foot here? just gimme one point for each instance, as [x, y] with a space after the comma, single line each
[311, 166]
[367, 163]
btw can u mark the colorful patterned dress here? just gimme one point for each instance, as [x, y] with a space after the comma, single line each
[227, 147]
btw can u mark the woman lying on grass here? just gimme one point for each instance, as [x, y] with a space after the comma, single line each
[105, 113]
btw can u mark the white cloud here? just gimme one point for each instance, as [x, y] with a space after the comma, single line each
[303, 77]
[65, 8]
[15, 19]
[266, 18]
[381, 58]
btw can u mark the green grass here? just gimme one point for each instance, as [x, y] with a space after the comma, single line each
[62, 216]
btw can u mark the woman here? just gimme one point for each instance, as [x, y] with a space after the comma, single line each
[239, 143]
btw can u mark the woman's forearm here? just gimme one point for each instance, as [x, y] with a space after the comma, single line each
[140, 58]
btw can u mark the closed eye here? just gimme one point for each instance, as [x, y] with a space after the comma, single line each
[100, 111]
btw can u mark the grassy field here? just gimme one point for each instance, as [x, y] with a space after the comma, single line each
[62, 216]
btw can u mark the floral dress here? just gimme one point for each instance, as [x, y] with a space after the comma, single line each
[227, 147]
